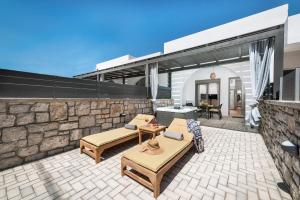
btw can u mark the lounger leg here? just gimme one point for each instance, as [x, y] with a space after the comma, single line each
[123, 167]
[81, 147]
[155, 180]
[98, 153]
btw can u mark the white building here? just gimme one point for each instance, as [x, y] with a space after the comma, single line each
[187, 62]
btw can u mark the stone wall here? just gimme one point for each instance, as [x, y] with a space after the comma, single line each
[281, 121]
[31, 129]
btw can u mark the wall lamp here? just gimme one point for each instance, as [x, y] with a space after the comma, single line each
[289, 147]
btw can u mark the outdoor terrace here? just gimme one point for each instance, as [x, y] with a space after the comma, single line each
[234, 165]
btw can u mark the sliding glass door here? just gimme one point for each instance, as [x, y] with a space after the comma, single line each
[208, 92]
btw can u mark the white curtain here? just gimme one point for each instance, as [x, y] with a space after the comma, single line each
[154, 83]
[261, 58]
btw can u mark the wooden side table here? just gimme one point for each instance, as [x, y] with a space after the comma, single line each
[150, 130]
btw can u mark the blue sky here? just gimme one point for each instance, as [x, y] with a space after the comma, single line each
[69, 37]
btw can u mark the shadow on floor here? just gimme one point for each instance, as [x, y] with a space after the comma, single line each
[172, 173]
[237, 124]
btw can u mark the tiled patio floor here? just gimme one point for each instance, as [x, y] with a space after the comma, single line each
[237, 124]
[235, 165]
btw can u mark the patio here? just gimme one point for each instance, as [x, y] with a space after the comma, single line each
[235, 165]
[237, 124]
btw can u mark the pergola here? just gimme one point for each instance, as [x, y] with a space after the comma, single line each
[230, 50]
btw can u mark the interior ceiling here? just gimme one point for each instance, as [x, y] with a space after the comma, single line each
[214, 57]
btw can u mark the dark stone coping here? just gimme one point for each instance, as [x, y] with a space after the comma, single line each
[21, 100]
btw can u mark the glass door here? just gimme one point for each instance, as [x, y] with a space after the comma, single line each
[202, 94]
[236, 98]
[208, 92]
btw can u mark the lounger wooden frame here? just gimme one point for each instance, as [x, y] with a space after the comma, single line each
[96, 151]
[154, 177]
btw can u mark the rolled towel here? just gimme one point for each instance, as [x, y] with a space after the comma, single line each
[130, 126]
[173, 135]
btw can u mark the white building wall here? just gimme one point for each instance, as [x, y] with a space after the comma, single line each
[293, 35]
[114, 62]
[260, 21]
[291, 59]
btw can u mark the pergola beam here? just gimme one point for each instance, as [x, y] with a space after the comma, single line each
[239, 40]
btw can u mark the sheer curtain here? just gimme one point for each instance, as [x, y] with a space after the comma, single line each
[261, 59]
[154, 83]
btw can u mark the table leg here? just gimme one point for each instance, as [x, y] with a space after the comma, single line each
[140, 137]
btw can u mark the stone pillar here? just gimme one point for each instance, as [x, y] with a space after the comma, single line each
[278, 62]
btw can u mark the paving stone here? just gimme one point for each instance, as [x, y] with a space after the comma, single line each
[26, 191]
[231, 167]
[13, 192]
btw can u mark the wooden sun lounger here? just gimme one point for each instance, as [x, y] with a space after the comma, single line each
[148, 177]
[95, 151]
[154, 177]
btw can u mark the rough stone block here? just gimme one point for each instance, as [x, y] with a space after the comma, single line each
[13, 134]
[82, 108]
[106, 126]
[14, 109]
[74, 118]
[58, 111]
[297, 130]
[35, 157]
[100, 121]
[2, 107]
[87, 121]
[71, 111]
[116, 110]
[25, 118]
[95, 112]
[131, 108]
[33, 128]
[22, 143]
[8, 147]
[7, 120]
[7, 155]
[71, 103]
[40, 107]
[93, 104]
[27, 151]
[42, 117]
[116, 120]
[35, 138]
[296, 166]
[55, 151]
[105, 111]
[101, 104]
[86, 131]
[96, 129]
[76, 134]
[10, 162]
[50, 133]
[64, 132]
[291, 124]
[54, 142]
[68, 126]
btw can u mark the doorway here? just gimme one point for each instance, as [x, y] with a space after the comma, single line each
[236, 98]
[208, 92]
